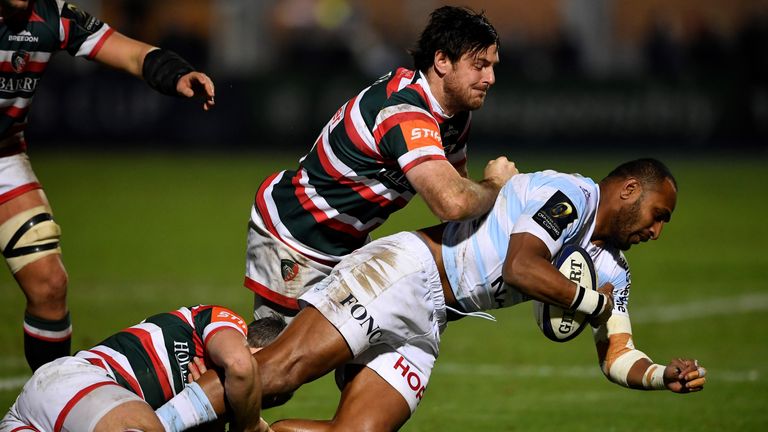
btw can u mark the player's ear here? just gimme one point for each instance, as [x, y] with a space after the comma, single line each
[631, 188]
[442, 63]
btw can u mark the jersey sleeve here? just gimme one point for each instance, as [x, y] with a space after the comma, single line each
[81, 33]
[408, 134]
[216, 319]
[612, 266]
[552, 213]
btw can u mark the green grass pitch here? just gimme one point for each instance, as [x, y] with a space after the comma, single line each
[148, 233]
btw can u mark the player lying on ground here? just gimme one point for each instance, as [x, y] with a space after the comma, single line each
[382, 309]
[33, 31]
[118, 384]
[407, 133]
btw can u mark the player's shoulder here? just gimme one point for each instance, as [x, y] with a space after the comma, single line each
[574, 186]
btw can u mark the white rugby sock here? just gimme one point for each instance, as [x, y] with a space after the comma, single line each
[187, 409]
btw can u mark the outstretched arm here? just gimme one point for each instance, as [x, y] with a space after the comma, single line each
[163, 70]
[453, 197]
[624, 365]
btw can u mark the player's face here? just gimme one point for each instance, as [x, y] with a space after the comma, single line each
[468, 80]
[643, 219]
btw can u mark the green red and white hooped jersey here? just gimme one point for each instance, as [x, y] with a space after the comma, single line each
[353, 178]
[27, 46]
[151, 358]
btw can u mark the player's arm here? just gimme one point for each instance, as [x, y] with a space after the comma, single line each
[229, 351]
[452, 197]
[622, 364]
[528, 267]
[164, 70]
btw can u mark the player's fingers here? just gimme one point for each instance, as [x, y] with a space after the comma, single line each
[698, 383]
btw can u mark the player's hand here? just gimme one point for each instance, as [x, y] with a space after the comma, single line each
[197, 84]
[685, 376]
[500, 170]
[602, 317]
[196, 369]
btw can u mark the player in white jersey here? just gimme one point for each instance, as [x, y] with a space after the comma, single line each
[384, 307]
[31, 32]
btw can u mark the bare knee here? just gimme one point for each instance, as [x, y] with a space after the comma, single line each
[134, 415]
[44, 283]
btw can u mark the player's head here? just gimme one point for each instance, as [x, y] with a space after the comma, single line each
[13, 4]
[460, 46]
[261, 333]
[641, 196]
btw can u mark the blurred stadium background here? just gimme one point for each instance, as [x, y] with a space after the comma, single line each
[153, 194]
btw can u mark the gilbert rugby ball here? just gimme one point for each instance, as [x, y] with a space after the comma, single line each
[558, 324]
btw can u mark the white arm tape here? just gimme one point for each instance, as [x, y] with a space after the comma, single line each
[588, 301]
[653, 378]
[621, 366]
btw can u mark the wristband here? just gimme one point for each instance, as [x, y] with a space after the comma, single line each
[588, 301]
[653, 378]
[162, 70]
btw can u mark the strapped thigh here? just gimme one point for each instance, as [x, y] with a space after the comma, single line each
[29, 236]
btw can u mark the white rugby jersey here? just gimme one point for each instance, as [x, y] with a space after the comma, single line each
[557, 208]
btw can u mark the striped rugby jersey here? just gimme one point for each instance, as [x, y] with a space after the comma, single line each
[151, 358]
[353, 178]
[559, 209]
[26, 47]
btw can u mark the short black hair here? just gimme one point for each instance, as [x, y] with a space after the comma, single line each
[648, 171]
[264, 330]
[454, 31]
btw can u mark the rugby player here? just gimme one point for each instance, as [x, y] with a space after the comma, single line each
[407, 133]
[118, 384]
[381, 311]
[32, 31]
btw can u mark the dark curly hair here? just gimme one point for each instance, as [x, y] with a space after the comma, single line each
[454, 31]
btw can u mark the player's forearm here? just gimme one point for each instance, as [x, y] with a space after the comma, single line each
[243, 390]
[466, 200]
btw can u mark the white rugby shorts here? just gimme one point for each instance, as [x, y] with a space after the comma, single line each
[16, 176]
[69, 395]
[387, 302]
[277, 273]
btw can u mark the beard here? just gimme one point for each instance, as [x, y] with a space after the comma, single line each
[623, 225]
[458, 97]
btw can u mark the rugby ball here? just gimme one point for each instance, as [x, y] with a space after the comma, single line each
[558, 324]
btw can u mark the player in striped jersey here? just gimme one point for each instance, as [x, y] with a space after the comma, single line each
[118, 384]
[407, 133]
[31, 32]
[382, 310]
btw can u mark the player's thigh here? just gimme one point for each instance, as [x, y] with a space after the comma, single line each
[369, 403]
[23, 202]
[131, 415]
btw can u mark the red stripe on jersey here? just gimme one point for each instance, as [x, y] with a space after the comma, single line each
[319, 215]
[361, 189]
[23, 428]
[261, 205]
[21, 190]
[394, 83]
[135, 387]
[146, 342]
[32, 66]
[16, 112]
[72, 402]
[422, 159]
[286, 302]
[420, 90]
[196, 340]
[100, 43]
[396, 119]
[65, 23]
[351, 130]
[34, 17]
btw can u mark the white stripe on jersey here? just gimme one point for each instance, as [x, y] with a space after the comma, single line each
[390, 111]
[18, 102]
[158, 344]
[216, 326]
[359, 124]
[332, 213]
[187, 314]
[115, 356]
[374, 185]
[419, 152]
[34, 56]
[282, 232]
[87, 47]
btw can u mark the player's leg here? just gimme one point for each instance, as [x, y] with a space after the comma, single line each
[29, 240]
[368, 403]
[307, 349]
[132, 415]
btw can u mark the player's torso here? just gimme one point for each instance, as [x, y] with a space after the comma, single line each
[474, 251]
[352, 180]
